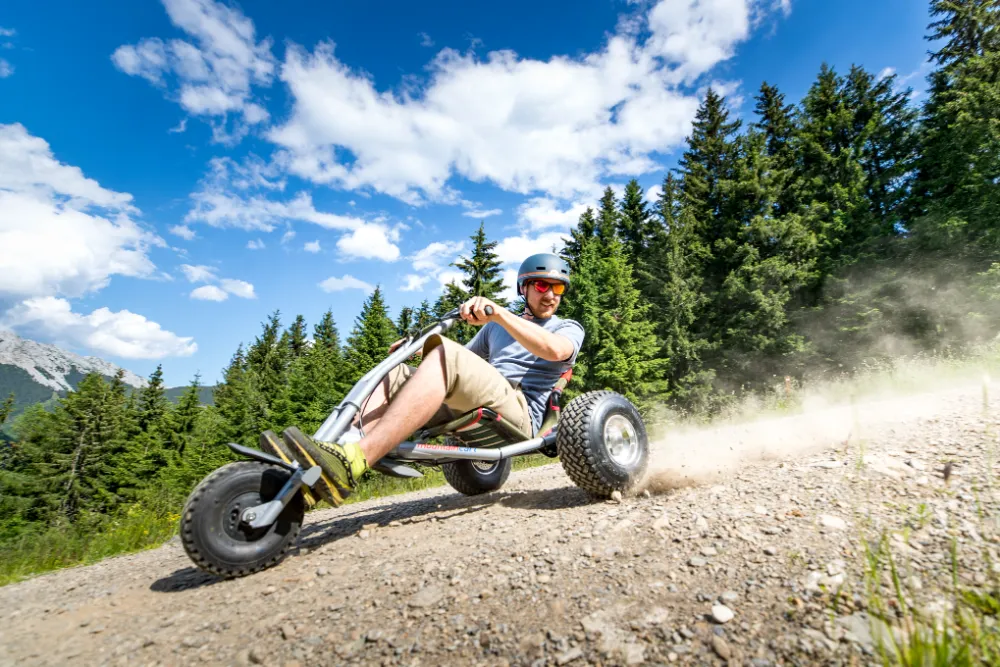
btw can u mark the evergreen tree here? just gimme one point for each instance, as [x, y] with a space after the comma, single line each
[297, 343]
[580, 235]
[483, 269]
[267, 362]
[424, 315]
[777, 123]
[325, 333]
[373, 333]
[607, 217]
[634, 220]
[404, 323]
[958, 184]
[6, 408]
[153, 404]
[234, 401]
[185, 417]
[451, 298]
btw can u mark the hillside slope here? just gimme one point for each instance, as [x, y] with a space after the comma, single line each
[734, 559]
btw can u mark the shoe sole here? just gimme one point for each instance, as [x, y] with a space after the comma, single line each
[272, 444]
[307, 454]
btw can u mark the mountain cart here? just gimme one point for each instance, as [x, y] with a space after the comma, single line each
[245, 516]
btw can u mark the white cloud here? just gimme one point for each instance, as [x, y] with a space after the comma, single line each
[288, 236]
[312, 246]
[6, 69]
[209, 293]
[509, 291]
[182, 231]
[212, 74]
[7, 32]
[557, 126]
[481, 213]
[198, 274]
[425, 39]
[371, 241]
[333, 284]
[239, 288]
[515, 249]
[414, 283]
[543, 213]
[122, 334]
[450, 276]
[62, 233]
[886, 72]
[180, 127]
[256, 244]
[431, 257]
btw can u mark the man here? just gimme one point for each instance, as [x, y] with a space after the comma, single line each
[510, 366]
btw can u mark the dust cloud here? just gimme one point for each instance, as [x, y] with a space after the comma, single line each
[698, 455]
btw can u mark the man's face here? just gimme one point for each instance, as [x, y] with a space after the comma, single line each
[543, 304]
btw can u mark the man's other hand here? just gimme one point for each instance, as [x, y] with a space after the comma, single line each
[473, 311]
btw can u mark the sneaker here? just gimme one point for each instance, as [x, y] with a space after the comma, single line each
[273, 445]
[342, 465]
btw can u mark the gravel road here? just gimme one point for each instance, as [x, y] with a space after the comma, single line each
[737, 556]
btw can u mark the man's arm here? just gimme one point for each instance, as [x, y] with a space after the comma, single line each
[541, 343]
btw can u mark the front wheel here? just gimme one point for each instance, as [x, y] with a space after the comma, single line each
[602, 443]
[475, 477]
[213, 533]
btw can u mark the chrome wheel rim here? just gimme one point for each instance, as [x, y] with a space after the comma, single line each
[622, 441]
[485, 467]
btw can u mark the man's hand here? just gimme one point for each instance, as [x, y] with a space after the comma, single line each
[473, 311]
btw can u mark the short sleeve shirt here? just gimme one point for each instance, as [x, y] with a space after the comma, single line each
[535, 376]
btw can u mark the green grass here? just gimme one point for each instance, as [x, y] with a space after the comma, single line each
[965, 634]
[66, 546]
[142, 528]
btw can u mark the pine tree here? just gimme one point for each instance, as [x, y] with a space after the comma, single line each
[297, 343]
[185, 417]
[267, 363]
[404, 323]
[6, 408]
[424, 315]
[580, 235]
[607, 217]
[483, 269]
[325, 333]
[234, 401]
[634, 220]
[373, 333]
[957, 190]
[451, 298]
[777, 123]
[153, 404]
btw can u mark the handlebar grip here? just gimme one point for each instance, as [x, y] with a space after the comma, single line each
[489, 310]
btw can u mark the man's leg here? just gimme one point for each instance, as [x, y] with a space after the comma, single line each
[417, 401]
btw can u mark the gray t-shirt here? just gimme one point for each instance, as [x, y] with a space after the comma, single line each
[535, 375]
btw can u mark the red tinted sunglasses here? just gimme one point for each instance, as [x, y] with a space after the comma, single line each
[557, 288]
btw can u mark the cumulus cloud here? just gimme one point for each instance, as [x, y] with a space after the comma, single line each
[334, 284]
[61, 232]
[544, 212]
[122, 334]
[482, 213]
[6, 69]
[209, 293]
[239, 288]
[229, 197]
[414, 283]
[557, 126]
[198, 274]
[182, 231]
[212, 73]
[312, 246]
[514, 249]
[255, 244]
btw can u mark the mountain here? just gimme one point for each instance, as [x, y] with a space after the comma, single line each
[37, 372]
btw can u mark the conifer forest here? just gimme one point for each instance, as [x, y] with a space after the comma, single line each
[810, 238]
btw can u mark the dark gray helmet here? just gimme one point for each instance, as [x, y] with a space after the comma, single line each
[543, 265]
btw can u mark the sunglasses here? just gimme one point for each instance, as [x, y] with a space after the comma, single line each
[557, 288]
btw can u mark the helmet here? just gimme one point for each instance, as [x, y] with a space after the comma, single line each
[542, 265]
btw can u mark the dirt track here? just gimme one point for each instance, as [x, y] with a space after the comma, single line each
[538, 574]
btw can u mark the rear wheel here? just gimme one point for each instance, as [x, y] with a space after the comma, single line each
[213, 532]
[602, 443]
[475, 477]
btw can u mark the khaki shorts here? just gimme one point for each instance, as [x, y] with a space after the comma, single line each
[471, 383]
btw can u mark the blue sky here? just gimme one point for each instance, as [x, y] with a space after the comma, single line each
[171, 173]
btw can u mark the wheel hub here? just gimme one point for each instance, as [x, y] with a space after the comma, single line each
[485, 467]
[622, 441]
